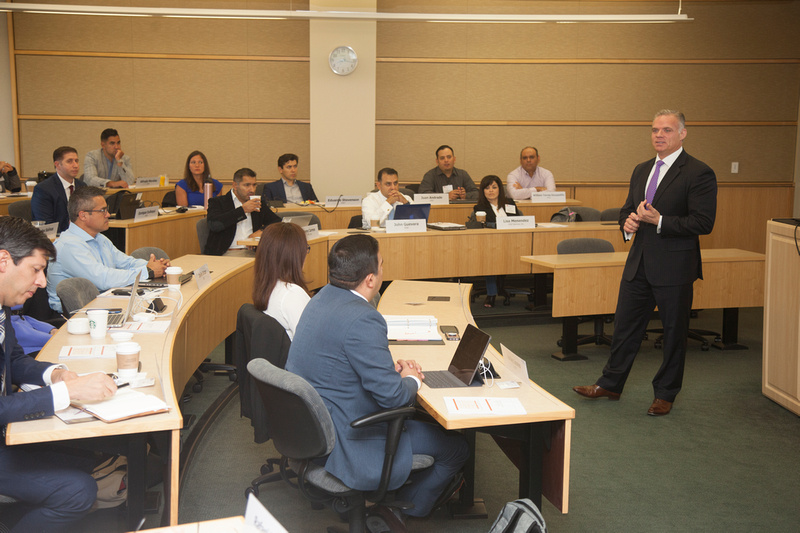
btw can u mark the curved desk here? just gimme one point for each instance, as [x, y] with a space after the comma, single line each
[545, 429]
[175, 233]
[205, 318]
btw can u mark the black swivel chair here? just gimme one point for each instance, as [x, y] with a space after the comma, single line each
[21, 209]
[75, 293]
[259, 336]
[587, 214]
[302, 430]
[169, 200]
[356, 221]
[610, 214]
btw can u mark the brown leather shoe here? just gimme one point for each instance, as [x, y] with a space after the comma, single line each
[595, 391]
[659, 408]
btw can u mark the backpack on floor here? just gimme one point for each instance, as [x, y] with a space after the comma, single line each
[519, 516]
[112, 482]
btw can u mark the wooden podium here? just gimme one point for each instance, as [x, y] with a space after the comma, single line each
[781, 366]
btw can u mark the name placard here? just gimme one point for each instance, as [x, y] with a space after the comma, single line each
[548, 197]
[148, 182]
[341, 200]
[202, 276]
[50, 230]
[528, 222]
[312, 231]
[433, 198]
[406, 226]
[145, 213]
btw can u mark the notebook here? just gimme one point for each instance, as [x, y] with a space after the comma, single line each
[464, 365]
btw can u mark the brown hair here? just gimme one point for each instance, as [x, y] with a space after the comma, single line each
[279, 257]
[187, 173]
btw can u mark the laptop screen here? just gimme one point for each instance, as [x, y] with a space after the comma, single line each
[410, 212]
[470, 351]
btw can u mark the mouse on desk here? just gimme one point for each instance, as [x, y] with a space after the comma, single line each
[181, 209]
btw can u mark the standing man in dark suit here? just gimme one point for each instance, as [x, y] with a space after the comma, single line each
[341, 348]
[50, 197]
[289, 188]
[235, 216]
[55, 492]
[671, 201]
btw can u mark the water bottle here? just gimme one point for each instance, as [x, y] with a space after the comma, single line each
[208, 190]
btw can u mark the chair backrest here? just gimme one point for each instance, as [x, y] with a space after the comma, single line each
[314, 218]
[21, 209]
[587, 213]
[413, 187]
[355, 221]
[145, 251]
[584, 245]
[260, 189]
[300, 425]
[610, 214]
[202, 233]
[75, 293]
[408, 192]
[169, 200]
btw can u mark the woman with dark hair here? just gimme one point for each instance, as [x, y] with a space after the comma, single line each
[189, 191]
[492, 201]
[279, 289]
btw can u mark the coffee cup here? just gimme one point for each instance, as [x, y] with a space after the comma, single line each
[374, 223]
[173, 274]
[98, 323]
[128, 359]
[256, 197]
[78, 325]
[480, 216]
[29, 185]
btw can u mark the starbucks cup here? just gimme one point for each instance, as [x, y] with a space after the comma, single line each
[480, 216]
[173, 274]
[128, 359]
[98, 323]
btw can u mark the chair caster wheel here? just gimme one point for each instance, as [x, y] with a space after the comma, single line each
[266, 469]
[717, 339]
[560, 343]
[232, 376]
[197, 387]
[705, 347]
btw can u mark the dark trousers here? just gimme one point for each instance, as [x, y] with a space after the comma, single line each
[449, 452]
[54, 489]
[637, 299]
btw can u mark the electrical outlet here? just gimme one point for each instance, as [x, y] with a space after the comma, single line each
[735, 167]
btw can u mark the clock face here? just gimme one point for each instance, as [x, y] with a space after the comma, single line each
[343, 60]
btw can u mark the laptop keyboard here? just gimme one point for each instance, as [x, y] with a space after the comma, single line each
[442, 379]
[116, 320]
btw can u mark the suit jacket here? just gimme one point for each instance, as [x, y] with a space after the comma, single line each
[222, 220]
[687, 201]
[341, 349]
[274, 191]
[49, 202]
[22, 369]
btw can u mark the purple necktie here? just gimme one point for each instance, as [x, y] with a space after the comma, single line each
[651, 188]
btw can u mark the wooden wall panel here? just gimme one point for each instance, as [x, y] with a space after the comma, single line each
[156, 148]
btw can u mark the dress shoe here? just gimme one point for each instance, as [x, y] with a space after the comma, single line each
[385, 519]
[489, 301]
[595, 391]
[659, 408]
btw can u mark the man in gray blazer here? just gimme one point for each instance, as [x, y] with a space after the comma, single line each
[341, 348]
[108, 166]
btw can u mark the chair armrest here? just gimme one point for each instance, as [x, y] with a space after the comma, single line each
[384, 415]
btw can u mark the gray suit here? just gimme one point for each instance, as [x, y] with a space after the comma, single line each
[95, 169]
[341, 348]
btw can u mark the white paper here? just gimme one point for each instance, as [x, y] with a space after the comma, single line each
[124, 403]
[412, 328]
[476, 405]
[202, 276]
[156, 326]
[105, 351]
[415, 225]
[528, 222]
[259, 518]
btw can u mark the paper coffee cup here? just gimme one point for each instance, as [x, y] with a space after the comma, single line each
[98, 323]
[173, 274]
[78, 325]
[128, 359]
[29, 185]
[480, 216]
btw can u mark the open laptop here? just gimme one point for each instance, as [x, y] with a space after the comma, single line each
[160, 283]
[118, 320]
[464, 365]
[300, 220]
[410, 212]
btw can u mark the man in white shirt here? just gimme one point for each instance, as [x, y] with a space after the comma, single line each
[108, 166]
[529, 178]
[377, 205]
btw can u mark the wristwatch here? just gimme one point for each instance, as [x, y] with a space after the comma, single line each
[150, 273]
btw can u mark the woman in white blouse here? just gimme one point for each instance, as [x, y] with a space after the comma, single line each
[279, 289]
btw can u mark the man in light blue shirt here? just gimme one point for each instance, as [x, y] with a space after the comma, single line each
[85, 253]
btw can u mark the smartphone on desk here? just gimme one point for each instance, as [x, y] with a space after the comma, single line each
[450, 332]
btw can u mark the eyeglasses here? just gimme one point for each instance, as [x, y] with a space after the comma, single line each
[104, 210]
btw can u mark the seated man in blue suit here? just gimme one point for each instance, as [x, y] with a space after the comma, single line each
[341, 348]
[55, 492]
[289, 188]
[50, 197]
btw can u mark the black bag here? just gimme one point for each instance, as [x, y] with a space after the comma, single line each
[123, 205]
[565, 215]
[519, 516]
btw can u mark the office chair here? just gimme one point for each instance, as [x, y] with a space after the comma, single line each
[145, 251]
[314, 218]
[21, 209]
[587, 214]
[169, 200]
[356, 221]
[75, 293]
[302, 430]
[588, 246]
[258, 335]
[413, 187]
[260, 189]
[202, 233]
[610, 214]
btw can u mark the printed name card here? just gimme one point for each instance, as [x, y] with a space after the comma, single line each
[342, 201]
[148, 182]
[433, 198]
[548, 197]
[202, 276]
[50, 230]
[145, 213]
[406, 226]
[312, 231]
[516, 222]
